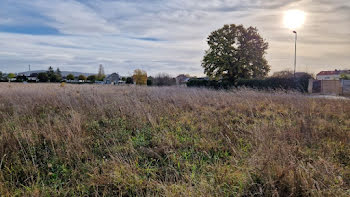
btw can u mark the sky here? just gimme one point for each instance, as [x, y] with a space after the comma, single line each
[164, 36]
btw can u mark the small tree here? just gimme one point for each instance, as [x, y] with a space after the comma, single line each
[345, 76]
[82, 78]
[11, 76]
[101, 73]
[140, 77]
[129, 80]
[43, 77]
[70, 77]
[150, 81]
[92, 78]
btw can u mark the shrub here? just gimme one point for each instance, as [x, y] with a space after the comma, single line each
[272, 83]
[129, 80]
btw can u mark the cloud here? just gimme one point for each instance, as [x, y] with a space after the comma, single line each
[163, 35]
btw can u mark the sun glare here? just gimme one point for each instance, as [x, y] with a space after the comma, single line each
[294, 19]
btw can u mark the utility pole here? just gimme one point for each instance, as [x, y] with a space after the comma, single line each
[295, 53]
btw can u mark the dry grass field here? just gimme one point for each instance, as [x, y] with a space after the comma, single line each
[85, 140]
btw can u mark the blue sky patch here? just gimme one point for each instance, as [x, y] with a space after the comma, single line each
[32, 30]
[149, 39]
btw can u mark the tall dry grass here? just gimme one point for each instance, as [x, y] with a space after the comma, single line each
[86, 140]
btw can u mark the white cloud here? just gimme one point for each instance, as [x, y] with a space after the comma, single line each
[106, 32]
[72, 17]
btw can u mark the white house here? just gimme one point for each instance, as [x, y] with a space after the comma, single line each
[329, 75]
[33, 77]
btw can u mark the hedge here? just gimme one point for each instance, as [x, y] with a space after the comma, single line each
[272, 83]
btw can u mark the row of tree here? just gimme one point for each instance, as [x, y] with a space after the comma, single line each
[54, 76]
[6, 77]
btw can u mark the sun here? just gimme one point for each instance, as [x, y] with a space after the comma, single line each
[294, 19]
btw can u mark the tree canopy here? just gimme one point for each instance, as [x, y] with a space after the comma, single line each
[236, 52]
[92, 78]
[283, 74]
[140, 77]
[70, 77]
[345, 76]
[129, 80]
[163, 79]
[82, 78]
[11, 75]
[43, 77]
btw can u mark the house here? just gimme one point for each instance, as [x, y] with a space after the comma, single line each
[182, 79]
[121, 82]
[112, 79]
[33, 77]
[331, 75]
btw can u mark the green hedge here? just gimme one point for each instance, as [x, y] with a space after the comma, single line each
[272, 83]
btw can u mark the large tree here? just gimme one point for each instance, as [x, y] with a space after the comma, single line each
[236, 52]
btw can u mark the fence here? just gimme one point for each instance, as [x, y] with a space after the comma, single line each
[346, 87]
[330, 87]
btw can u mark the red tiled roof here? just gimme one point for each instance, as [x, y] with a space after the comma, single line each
[336, 72]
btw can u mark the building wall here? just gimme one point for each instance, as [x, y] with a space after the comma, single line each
[331, 87]
[346, 87]
[328, 77]
[315, 86]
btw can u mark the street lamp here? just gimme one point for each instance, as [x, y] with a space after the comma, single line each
[295, 54]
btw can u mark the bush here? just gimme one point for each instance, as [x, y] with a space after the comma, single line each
[129, 80]
[272, 83]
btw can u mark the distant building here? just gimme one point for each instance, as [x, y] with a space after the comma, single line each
[182, 79]
[33, 77]
[121, 82]
[332, 75]
[112, 79]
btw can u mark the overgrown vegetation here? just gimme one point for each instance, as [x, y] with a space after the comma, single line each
[139, 141]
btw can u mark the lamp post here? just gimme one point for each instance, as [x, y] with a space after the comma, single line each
[295, 54]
